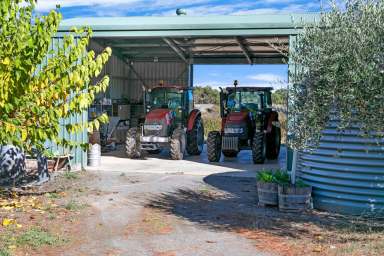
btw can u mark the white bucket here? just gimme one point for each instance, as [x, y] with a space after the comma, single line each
[94, 155]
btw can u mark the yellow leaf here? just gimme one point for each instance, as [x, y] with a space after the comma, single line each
[23, 135]
[7, 222]
[19, 225]
[12, 247]
[6, 61]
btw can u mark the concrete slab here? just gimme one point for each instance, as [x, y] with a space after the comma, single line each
[241, 166]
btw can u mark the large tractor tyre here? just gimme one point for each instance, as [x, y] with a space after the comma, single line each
[132, 143]
[214, 146]
[259, 148]
[230, 153]
[177, 144]
[195, 138]
[274, 143]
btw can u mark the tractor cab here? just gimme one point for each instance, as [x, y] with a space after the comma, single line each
[177, 101]
[245, 99]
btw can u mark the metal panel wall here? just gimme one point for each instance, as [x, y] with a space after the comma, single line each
[79, 156]
[151, 73]
[346, 172]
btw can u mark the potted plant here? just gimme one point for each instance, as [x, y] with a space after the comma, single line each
[293, 196]
[267, 188]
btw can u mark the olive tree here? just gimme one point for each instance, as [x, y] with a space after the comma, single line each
[42, 83]
[339, 72]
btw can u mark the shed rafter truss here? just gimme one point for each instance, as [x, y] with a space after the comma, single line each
[201, 50]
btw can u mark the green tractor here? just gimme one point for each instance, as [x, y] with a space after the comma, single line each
[170, 122]
[248, 122]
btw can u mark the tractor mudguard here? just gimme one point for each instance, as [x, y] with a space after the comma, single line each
[273, 116]
[191, 118]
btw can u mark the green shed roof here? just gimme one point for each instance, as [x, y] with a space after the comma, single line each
[193, 39]
[279, 24]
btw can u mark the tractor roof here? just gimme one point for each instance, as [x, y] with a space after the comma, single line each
[249, 89]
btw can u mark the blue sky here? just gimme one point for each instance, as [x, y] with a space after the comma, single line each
[213, 75]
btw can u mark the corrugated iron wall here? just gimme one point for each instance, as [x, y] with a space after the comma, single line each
[79, 156]
[346, 172]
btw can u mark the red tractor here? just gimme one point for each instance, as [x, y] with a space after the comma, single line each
[248, 122]
[170, 122]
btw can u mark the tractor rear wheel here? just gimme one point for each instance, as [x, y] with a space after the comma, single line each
[177, 144]
[259, 148]
[195, 138]
[132, 143]
[274, 143]
[214, 146]
[230, 153]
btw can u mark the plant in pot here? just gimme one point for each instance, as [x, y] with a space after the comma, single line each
[293, 196]
[267, 188]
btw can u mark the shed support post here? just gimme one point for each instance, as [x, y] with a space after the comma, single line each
[290, 117]
[190, 76]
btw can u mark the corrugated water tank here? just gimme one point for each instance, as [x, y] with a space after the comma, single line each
[346, 171]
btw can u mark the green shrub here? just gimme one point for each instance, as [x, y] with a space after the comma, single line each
[211, 124]
[265, 176]
[281, 177]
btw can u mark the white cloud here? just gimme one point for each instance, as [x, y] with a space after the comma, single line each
[44, 5]
[267, 77]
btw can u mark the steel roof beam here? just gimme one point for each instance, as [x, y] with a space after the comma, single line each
[246, 53]
[176, 49]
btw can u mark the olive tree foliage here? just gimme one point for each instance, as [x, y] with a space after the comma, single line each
[40, 83]
[339, 72]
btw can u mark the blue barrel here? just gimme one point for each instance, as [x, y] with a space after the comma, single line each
[346, 171]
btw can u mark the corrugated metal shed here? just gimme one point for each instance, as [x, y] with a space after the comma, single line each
[346, 172]
[149, 49]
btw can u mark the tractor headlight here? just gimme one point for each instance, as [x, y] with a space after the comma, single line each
[233, 130]
[153, 127]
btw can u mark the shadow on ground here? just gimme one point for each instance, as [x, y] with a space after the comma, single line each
[230, 204]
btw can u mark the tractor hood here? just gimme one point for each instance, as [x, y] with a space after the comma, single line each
[237, 117]
[158, 115]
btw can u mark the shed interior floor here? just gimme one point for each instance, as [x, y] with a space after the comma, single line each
[192, 165]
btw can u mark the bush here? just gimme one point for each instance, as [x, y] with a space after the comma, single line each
[265, 176]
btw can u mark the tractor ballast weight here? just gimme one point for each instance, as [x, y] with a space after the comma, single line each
[248, 122]
[170, 122]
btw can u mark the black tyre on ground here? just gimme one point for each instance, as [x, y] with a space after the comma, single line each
[177, 144]
[195, 138]
[230, 153]
[214, 146]
[132, 143]
[274, 143]
[259, 148]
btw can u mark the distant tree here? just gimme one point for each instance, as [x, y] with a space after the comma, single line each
[206, 95]
[35, 93]
[280, 96]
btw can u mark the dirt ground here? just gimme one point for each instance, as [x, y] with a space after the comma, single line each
[115, 213]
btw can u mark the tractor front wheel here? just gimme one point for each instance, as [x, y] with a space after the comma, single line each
[274, 143]
[132, 143]
[259, 148]
[177, 144]
[195, 138]
[214, 146]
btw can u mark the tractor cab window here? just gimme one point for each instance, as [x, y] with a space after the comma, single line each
[245, 100]
[165, 98]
